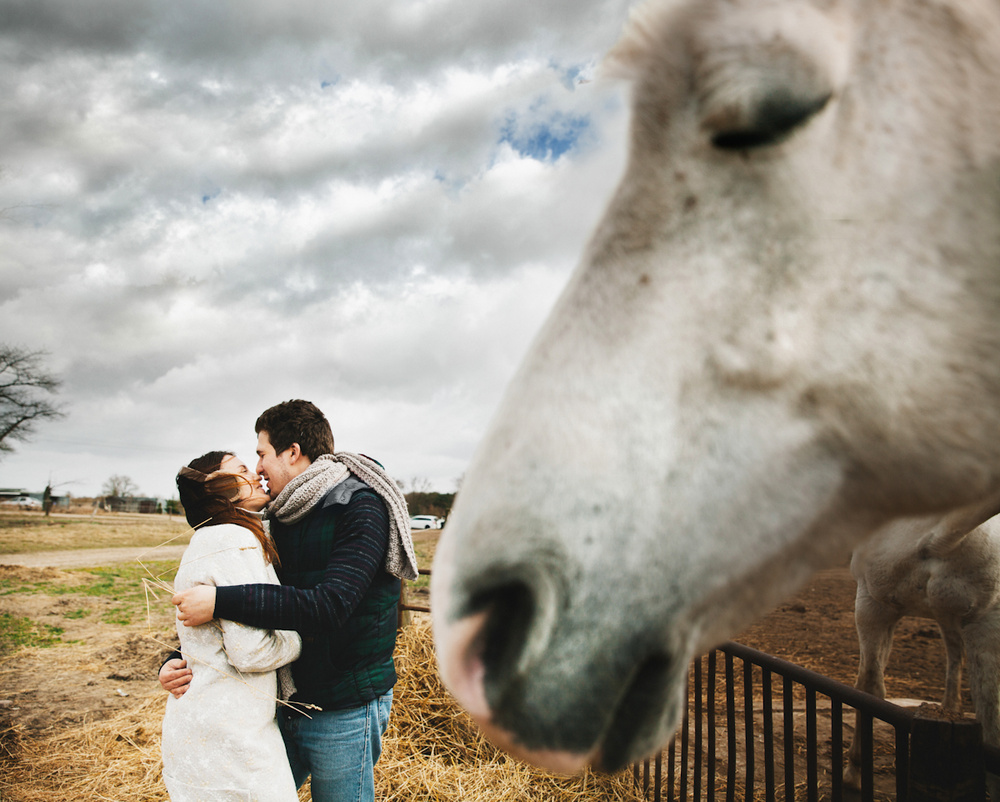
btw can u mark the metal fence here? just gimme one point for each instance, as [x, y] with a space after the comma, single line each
[761, 728]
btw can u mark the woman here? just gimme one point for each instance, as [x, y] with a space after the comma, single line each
[220, 738]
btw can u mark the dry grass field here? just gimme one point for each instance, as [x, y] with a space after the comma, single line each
[27, 532]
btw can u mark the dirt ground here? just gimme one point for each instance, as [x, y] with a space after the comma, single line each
[101, 669]
[815, 629]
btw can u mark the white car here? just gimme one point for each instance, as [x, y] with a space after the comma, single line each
[426, 522]
[24, 503]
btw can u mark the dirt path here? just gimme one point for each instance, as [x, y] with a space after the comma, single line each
[89, 558]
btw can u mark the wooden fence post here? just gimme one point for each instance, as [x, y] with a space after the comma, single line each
[403, 617]
[946, 761]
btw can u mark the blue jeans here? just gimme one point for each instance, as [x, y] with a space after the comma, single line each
[339, 748]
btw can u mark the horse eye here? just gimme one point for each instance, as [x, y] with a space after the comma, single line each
[772, 121]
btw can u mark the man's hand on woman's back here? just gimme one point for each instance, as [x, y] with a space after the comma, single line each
[175, 676]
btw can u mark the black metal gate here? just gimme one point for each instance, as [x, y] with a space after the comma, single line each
[761, 728]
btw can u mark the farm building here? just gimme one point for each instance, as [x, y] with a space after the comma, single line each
[20, 497]
[143, 504]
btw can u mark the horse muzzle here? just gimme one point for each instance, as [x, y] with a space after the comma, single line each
[525, 659]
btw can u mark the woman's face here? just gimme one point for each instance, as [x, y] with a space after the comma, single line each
[253, 497]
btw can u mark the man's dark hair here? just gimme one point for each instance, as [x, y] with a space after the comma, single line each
[297, 421]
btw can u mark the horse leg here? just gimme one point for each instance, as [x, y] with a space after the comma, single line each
[982, 644]
[876, 623]
[954, 647]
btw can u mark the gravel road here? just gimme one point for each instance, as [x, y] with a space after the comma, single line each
[89, 558]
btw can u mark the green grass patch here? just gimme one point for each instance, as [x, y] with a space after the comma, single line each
[17, 632]
[123, 586]
[115, 581]
[424, 552]
[118, 616]
[120, 585]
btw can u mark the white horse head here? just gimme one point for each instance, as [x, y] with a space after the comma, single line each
[784, 334]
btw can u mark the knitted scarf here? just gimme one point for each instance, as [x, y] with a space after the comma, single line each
[327, 471]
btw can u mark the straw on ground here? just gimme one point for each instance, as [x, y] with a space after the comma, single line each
[432, 751]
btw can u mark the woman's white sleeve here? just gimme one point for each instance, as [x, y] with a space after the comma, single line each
[240, 561]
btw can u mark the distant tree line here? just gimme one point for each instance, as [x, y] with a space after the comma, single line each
[424, 503]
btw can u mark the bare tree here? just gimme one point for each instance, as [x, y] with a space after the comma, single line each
[24, 390]
[119, 486]
[420, 484]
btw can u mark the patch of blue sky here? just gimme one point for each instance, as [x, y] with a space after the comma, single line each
[328, 74]
[570, 76]
[209, 190]
[573, 75]
[547, 139]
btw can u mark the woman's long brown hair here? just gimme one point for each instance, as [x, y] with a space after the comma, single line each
[209, 497]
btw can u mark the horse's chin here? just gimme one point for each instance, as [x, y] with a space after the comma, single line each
[616, 751]
[548, 759]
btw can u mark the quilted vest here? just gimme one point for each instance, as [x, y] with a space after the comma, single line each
[350, 665]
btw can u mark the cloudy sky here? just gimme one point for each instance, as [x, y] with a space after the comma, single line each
[211, 206]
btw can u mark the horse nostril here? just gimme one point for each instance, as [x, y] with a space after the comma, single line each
[494, 631]
[510, 611]
[520, 603]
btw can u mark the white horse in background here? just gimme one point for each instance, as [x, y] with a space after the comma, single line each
[783, 336]
[951, 576]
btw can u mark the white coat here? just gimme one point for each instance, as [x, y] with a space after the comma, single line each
[220, 739]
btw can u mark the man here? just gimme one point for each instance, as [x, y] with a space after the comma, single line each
[341, 529]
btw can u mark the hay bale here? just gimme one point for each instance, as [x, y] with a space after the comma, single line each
[434, 751]
[11, 740]
[431, 751]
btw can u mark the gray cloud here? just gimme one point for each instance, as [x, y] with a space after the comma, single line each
[208, 208]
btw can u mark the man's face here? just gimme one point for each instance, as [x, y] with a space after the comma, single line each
[275, 469]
